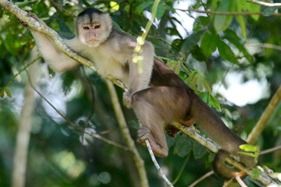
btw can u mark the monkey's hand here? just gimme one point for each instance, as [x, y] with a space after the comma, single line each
[127, 99]
[143, 134]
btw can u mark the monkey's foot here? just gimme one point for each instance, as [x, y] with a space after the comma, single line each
[188, 121]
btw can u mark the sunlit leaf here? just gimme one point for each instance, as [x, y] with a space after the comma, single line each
[250, 7]
[248, 148]
[114, 6]
[222, 22]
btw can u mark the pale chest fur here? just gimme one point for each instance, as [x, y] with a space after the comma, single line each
[109, 63]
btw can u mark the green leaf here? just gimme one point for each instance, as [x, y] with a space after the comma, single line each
[208, 43]
[8, 92]
[190, 42]
[162, 7]
[256, 173]
[143, 6]
[198, 150]
[5, 92]
[2, 92]
[222, 22]
[213, 101]
[214, 4]
[232, 37]
[198, 54]
[242, 23]
[241, 20]
[250, 7]
[249, 148]
[182, 146]
[226, 52]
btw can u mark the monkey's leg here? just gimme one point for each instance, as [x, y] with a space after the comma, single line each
[156, 107]
[152, 128]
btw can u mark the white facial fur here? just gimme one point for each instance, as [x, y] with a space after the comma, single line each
[94, 29]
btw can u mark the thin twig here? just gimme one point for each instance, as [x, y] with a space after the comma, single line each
[270, 150]
[141, 39]
[240, 181]
[75, 126]
[267, 4]
[157, 166]
[256, 131]
[270, 46]
[181, 170]
[226, 13]
[201, 178]
[22, 69]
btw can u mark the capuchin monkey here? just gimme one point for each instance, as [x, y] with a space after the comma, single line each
[157, 96]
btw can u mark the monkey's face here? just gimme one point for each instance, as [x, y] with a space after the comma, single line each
[94, 29]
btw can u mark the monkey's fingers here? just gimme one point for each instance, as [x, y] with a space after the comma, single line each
[127, 99]
[143, 134]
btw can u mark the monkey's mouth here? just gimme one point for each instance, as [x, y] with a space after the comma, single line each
[92, 40]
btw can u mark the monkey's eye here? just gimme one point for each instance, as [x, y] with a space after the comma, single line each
[86, 27]
[97, 26]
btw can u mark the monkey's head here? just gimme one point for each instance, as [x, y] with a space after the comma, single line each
[93, 27]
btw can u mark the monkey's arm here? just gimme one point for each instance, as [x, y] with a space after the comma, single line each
[55, 58]
[139, 76]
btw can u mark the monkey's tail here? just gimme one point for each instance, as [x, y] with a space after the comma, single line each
[210, 123]
[207, 120]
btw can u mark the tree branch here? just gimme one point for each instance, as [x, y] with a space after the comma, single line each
[126, 134]
[206, 175]
[23, 134]
[278, 5]
[256, 131]
[226, 13]
[270, 150]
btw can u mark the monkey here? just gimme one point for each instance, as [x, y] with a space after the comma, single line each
[157, 96]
